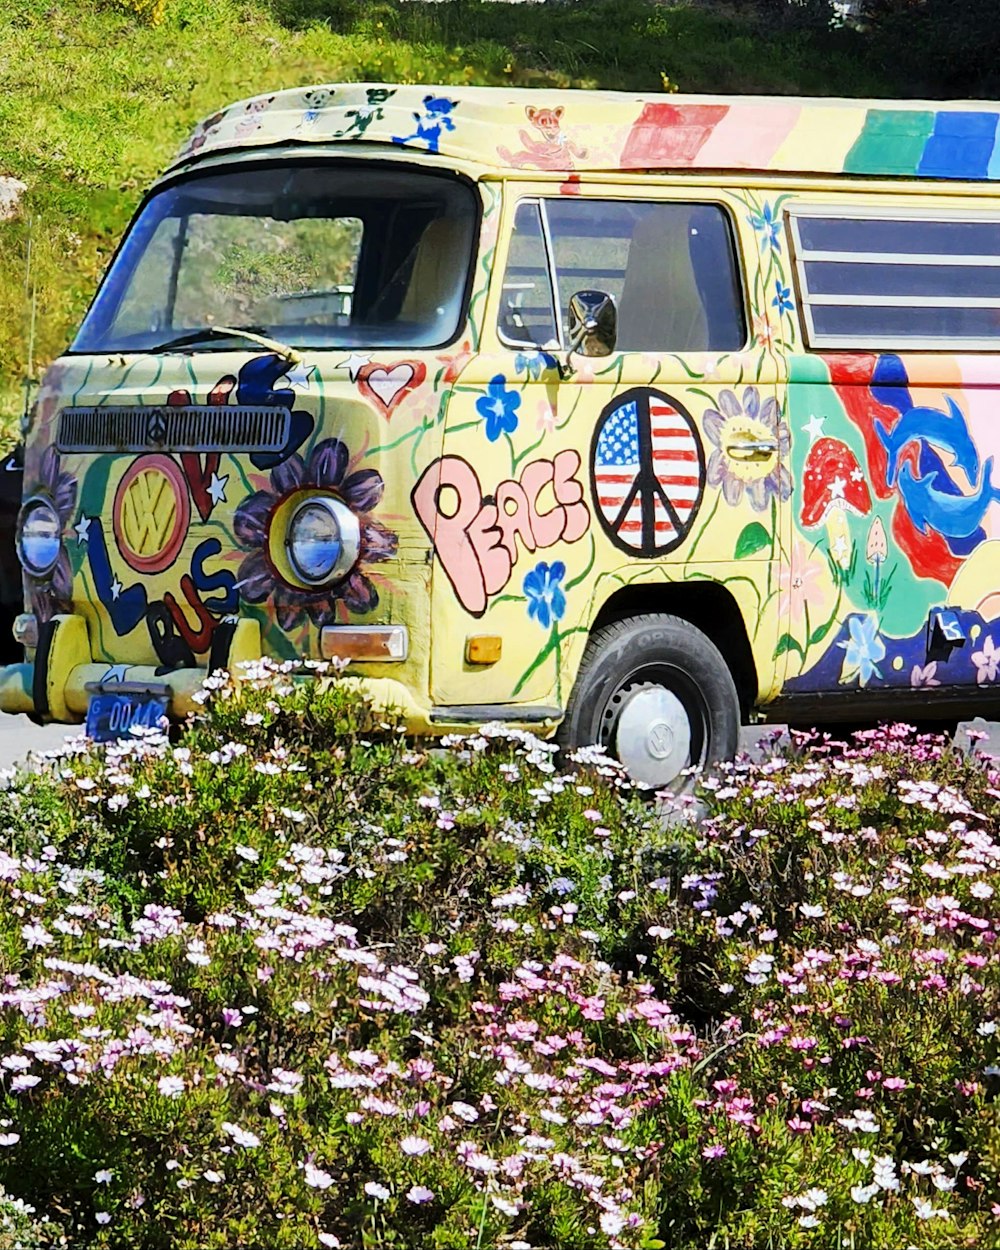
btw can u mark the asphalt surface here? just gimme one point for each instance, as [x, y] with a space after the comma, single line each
[19, 738]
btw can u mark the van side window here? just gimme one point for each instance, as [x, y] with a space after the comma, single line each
[670, 268]
[527, 314]
[874, 280]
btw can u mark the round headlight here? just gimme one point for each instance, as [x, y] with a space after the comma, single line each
[323, 540]
[39, 537]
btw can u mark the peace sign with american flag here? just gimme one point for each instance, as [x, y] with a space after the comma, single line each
[648, 470]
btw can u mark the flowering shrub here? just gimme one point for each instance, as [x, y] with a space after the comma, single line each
[294, 982]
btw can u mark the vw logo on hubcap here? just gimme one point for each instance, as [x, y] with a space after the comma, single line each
[660, 740]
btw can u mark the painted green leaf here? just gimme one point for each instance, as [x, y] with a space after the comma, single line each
[787, 643]
[753, 538]
[819, 633]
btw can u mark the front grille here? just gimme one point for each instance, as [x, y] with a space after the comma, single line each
[219, 427]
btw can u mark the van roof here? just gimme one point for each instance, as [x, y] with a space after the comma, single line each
[565, 131]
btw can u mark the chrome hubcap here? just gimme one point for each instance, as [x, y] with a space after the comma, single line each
[653, 736]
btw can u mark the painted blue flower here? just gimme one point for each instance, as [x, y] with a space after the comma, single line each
[546, 599]
[863, 649]
[498, 408]
[768, 226]
[783, 299]
[534, 364]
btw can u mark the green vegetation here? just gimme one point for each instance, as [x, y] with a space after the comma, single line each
[94, 101]
[292, 982]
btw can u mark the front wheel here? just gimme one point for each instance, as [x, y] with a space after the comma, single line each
[657, 694]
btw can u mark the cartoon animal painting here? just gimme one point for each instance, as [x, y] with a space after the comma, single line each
[549, 148]
[250, 123]
[361, 118]
[314, 101]
[431, 124]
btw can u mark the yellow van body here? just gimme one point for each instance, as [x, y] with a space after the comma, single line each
[326, 404]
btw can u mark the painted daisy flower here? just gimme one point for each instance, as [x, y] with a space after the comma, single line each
[737, 422]
[361, 490]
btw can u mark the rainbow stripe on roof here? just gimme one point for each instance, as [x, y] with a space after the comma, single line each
[568, 131]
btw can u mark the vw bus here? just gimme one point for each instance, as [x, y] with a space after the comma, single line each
[619, 418]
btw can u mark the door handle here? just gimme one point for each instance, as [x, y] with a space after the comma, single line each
[752, 449]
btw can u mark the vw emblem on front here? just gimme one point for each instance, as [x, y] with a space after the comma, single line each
[156, 427]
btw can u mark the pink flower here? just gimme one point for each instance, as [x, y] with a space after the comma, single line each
[926, 676]
[797, 1125]
[419, 1193]
[715, 1151]
[986, 662]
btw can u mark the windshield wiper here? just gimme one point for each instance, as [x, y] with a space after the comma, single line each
[228, 332]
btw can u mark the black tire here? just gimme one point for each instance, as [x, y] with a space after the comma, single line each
[654, 653]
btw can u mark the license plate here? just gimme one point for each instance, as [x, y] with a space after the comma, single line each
[111, 716]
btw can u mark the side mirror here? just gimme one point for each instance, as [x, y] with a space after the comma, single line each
[593, 326]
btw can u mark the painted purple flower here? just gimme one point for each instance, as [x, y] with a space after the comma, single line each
[737, 423]
[52, 594]
[361, 491]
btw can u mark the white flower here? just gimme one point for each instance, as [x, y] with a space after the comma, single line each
[102, 1217]
[465, 1112]
[170, 1086]
[414, 1146]
[316, 1178]
[811, 911]
[248, 853]
[863, 1193]
[374, 1190]
[213, 1177]
[241, 1136]
[103, 1177]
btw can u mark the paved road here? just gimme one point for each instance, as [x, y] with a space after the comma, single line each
[19, 737]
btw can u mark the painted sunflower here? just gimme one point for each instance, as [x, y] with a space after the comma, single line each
[52, 594]
[735, 422]
[361, 491]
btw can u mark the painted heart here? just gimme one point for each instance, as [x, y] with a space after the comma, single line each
[388, 384]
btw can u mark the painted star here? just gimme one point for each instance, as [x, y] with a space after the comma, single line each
[115, 673]
[814, 426]
[837, 488]
[116, 588]
[217, 488]
[82, 528]
[354, 364]
[298, 375]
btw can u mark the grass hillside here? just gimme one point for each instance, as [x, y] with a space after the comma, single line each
[93, 101]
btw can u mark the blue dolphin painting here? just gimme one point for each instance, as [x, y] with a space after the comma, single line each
[950, 433]
[953, 516]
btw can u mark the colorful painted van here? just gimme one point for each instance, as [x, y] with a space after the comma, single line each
[619, 417]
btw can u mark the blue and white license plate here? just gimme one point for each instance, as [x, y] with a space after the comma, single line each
[111, 716]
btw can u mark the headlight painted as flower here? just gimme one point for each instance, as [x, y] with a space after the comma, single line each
[39, 537]
[323, 540]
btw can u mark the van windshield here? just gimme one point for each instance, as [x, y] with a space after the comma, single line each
[310, 254]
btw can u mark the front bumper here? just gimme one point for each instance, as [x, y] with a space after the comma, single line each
[59, 683]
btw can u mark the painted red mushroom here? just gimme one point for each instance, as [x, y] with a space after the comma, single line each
[832, 478]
